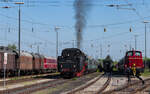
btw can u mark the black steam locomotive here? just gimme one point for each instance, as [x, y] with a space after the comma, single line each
[73, 62]
[107, 64]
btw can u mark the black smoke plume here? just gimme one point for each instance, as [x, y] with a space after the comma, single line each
[82, 8]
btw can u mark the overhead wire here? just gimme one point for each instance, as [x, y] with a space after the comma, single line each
[119, 23]
[29, 21]
[134, 9]
[146, 6]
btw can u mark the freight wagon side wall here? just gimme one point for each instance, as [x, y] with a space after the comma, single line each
[1, 60]
[11, 61]
[26, 61]
[36, 62]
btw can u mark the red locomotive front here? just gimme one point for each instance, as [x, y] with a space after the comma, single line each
[134, 59]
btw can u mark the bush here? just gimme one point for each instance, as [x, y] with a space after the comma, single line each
[147, 62]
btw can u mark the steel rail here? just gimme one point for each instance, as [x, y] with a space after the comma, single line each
[139, 89]
[27, 78]
[105, 85]
[31, 88]
[89, 84]
[125, 87]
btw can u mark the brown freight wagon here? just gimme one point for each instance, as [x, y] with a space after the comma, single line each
[36, 63]
[11, 65]
[26, 62]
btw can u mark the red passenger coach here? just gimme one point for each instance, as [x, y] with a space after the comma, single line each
[134, 58]
[50, 63]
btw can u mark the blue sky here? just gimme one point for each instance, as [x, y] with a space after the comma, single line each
[44, 15]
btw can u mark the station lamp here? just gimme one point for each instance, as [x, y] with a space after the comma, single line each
[104, 29]
[130, 29]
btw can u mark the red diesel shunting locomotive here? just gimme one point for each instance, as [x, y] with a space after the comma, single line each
[134, 64]
[134, 59]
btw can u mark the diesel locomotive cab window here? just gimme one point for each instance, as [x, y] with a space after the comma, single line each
[130, 54]
[137, 53]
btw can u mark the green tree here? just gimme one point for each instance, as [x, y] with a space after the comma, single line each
[12, 46]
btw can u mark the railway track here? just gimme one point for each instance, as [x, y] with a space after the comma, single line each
[96, 86]
[34, 87]
[15, 80]
[24, 85]
[105, 85]
[69, 85]
[138, 87]
[132, 88]
[27, 76]
[39, 86]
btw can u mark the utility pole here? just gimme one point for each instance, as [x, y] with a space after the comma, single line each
[126, 49]
[92, 48]
[56, 30]
[38, 49]
[19, 33]
[101, 53]
[135, 42]
[19, 38]
[130, 29]
[130, 47]
[108, 49]
[5, 63]
[73, 43]
[145, 22]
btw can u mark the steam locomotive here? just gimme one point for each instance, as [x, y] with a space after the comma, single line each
[107, 64]
[73, 62]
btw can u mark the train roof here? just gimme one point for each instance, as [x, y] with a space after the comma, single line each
[48, 57]
[72, 50]
[7, 50]
[35, 55]
[134, 51]
[23, 53]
